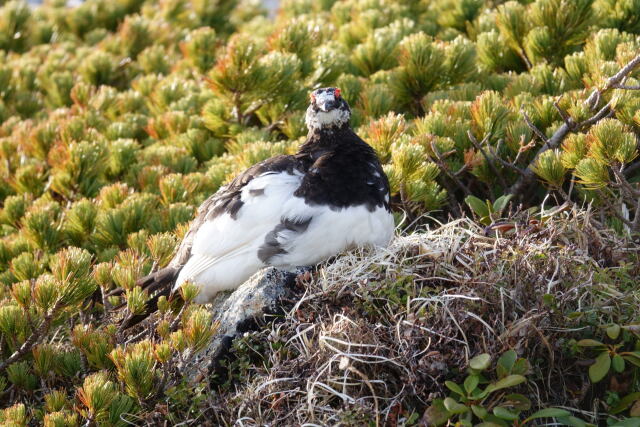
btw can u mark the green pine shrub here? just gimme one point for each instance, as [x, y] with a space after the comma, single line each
[117, 119]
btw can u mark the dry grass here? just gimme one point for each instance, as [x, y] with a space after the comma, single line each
[375, 334]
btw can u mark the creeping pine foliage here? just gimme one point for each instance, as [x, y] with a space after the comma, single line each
[118, 118]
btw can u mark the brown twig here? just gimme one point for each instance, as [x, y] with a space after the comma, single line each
[564, 195]
[623, 219]
[631, 168]
[632, 194]
[637, 87]
[624, 184]
[105, 301]
[510, 165]
[33, 339]
[492, 166]
[462, 170]
[615, 212]
[635, 225]
[445, 169]
[565, 116]
[174, 324]
[523, 149]
[529, 175]
[534, 128]
[572, 181]
[601, 114]
[252, 109]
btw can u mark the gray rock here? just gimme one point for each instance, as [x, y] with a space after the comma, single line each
[240, 311]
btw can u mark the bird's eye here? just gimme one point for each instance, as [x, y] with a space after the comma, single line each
[337, 93]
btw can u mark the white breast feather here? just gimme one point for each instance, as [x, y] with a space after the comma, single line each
[225, 250]
[331, 232]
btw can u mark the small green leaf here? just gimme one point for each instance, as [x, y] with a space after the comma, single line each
[413, 418]
[617, 363]
[589, 343]
[548, 413]
[454, 387]
[489, 389]
[509, 381]
[613, 331]
[480, 362]
[572, 421]
[600, 368]
[517, 401]
[625, 402]
[478, 206]
[506, 362]
[505, 414]
[478, 394]
[479, 411]
[521, 367]
[629, 422]
[454, 407]
[436, 414]
[489, 207]
[493, 421]
[630, 357]
[471, 382]
[501, 203]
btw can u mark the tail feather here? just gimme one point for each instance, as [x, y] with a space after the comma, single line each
[156, 284]
[161, 279]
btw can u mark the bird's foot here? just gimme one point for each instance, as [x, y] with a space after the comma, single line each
[304, 274]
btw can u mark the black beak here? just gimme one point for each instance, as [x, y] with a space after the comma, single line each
[329, 105]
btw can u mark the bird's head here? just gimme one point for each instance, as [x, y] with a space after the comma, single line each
[327, 110]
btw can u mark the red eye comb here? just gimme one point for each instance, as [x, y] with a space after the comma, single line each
[312, 96]
[337, 93]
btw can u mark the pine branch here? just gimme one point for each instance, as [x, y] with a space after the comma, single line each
[528, 174]
[445, 169]
[492, 166]
[604, 112]
[614, 82]
[624, 184]
[565, 116]
[623, 219]
[462, 170]
[34, 339]
[632, 168]
[637, 87]
[556, 139]
[253, 108]
[534, 128]
[510, 165]
[176, 322]
[635, 226]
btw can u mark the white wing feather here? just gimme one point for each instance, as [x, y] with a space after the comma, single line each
[225, 250]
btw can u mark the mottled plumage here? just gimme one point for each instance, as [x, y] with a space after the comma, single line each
[289, 210]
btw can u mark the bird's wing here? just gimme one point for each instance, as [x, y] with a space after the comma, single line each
[239, 230]
[227, 201]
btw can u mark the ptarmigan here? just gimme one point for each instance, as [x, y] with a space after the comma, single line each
[289, 210]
